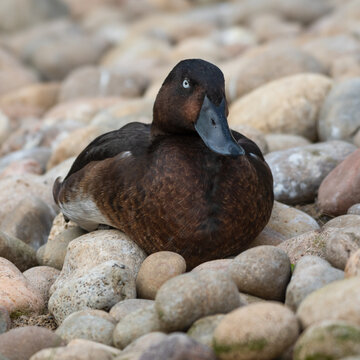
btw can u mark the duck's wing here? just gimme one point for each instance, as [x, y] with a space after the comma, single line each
[133, 137]
[248, 145]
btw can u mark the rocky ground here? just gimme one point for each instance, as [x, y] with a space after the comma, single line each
[73, 69]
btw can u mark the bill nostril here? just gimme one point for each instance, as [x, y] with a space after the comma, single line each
[213, 122]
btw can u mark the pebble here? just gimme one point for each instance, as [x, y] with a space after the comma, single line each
[343, 221]
[100, 287]
[266, 63]
[298, 172]
[21, 343]
[271, 328]
[178, 346]
[339, 116]
[191, 296]
[352, 267]
[156, 269]
[30, 221]
[90, 81]
[328, 340]
[354, 209]
[136, 324]
[339, 190]
[267, 236]
[289, 222]
[202, 330]
[278, 142]
[17, 295]
[287, 105]
[41, 278]
[126, 307]
[216, 265]
[311, 273]
[263, 271]
[94, 325]
[16, 251]
[5, 321]
[323, 304]
[78, 349]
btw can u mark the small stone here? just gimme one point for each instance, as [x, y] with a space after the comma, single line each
[278, 142]
[78, 349]
[100, 287]
[126, 307]
[298, 172]
[289, 105]
[54, 251]
[21, 343]
[268, 236]
[87, 82]
[156, 269]
[178, 346]
[323, 304]
[191, 296]
[263, 64]
[328, 340]
[22, 167]
[247, 299]
[354, 209]
[271, 328]
[30, 221]
[17, 295]
[340, 188]
[289, 222]
[339, 116]
[41, 278]
[5, 321]
[136, 324]
[343, 221]
[216, 265]
[202, 330]
[263, 271]
[94, 325]
[352, 267]
[311, 273]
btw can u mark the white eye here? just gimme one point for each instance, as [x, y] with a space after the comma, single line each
[186, 84]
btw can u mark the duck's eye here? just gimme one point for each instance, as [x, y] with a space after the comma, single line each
[186, 84]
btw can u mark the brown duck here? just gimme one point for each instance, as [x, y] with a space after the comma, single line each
[185, 183]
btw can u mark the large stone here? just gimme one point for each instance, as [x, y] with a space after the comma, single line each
[338, 300]
[17, 295]
[328, 340]
[89, 82]
[298, 172]
[266, 63]
[23, 342]
[288, 105]
[100, 287]
[311, 273]
[270, 329]
[188, 297]
[263, 271]
[94, 325]
[341, 187]
[340, 114]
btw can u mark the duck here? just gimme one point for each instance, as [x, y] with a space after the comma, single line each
[185, 183]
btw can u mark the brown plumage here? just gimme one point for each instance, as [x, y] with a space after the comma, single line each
[185, 184]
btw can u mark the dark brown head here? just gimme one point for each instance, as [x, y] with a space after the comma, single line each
[192, 100]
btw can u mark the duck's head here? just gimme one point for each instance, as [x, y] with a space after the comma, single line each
[192, 100]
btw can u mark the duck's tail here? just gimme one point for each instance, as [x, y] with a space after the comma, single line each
[56, 190]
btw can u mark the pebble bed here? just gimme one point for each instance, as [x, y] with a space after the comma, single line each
[71, 70]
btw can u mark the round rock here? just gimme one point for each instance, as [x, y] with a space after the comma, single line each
[156, 269]
[323, 304]
[125, 307]
[95, 325]
[328, 340]
[352, 267]
[191, 296]
[311, 273]
[262, 271]
[271, 328]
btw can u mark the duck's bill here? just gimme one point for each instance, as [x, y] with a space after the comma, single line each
[214, 130]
